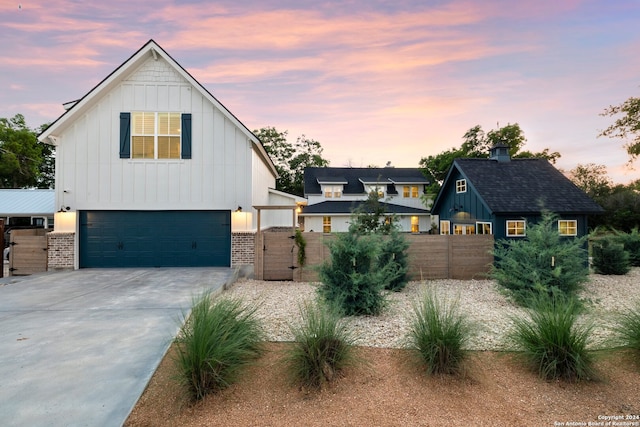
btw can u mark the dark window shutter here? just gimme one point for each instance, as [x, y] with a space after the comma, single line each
[186, 136]
[125, 135]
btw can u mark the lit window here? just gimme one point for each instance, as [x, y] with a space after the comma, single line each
[484, 228]
[464, 229]
[415, 224]
[568, 227]
[155, 135]
[461, 186]
[414, 191]
[326, 224]
[333, 192]
[516, 228]
[406, 191]
[445, 227]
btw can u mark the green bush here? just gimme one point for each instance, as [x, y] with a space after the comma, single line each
[628, 327]
[353, 281]
[323, 347]
[631, 243]
[217, 340]
[551, 341]
[394, 252]
[438, 333]
[610, 257]
[543, 262]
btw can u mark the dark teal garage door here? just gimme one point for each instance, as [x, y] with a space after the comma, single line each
[155, 239]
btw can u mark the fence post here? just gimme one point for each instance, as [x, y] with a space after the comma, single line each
[2, 245]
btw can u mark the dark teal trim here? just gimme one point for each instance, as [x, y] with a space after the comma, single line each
[186, 136]
[125, 135]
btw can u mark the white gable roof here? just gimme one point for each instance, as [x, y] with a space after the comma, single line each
[150, 49]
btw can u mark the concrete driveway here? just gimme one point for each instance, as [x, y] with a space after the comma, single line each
[78, 348]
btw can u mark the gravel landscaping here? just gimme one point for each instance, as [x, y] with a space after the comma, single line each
[481, 300]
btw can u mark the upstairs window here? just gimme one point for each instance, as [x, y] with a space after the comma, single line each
[461, 186]
[334, 191]
[155, 135]
[568, 227]
[410, 191]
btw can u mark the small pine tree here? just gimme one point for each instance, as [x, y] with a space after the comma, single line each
[394, 252]
[609, 257]
[543, 262]
[352, 281]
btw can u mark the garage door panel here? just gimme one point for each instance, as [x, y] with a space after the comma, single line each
[155, 238]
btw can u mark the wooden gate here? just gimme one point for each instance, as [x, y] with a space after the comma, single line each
[28, 252]
[278, 255]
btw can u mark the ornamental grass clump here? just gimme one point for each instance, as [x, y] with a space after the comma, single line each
[628, 328]
[216, 342]
[323, 347]
[438, 333]
[550, 339]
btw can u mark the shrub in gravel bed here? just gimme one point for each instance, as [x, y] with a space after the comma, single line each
[323, 346]
[628, 328]
[609, 257]
[543, 262]
[217, 340]
[438, 332]
[352, 281]
[550, 339]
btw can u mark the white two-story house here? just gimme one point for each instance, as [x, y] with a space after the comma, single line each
[153, 171]
[334, 193]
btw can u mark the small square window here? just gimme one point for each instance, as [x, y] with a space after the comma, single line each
[461, 186]
[516, 228]
[414, 191]
[568, 227]
[445, 227]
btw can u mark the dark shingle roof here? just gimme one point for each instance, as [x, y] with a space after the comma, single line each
[355, 177]
[524, 186]
[347, 206]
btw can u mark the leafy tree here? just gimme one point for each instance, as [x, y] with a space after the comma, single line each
[592, 179]
[622, 209]
[371, 216]
[477, 144]
[625, 127]
[291, 159]
[24, 162]
[542, 263]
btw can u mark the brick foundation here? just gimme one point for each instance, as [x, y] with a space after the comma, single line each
[60, 251]
[242, 248]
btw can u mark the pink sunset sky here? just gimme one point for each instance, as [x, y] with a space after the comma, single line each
[372, 80]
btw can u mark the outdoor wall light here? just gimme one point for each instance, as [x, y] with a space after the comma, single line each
[239, 209]
[64, 208]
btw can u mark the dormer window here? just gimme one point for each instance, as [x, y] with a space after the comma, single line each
[461, 186]
[333, 191]
[374, 189]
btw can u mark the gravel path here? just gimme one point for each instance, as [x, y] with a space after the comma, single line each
[485, 306]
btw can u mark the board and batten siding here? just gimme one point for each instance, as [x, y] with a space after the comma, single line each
[218, 176]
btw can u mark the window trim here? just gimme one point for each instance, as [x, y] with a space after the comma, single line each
[461, 186]
[574, 226]
[524, 227]
[479, 227]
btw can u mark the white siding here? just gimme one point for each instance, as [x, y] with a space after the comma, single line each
[219, 175]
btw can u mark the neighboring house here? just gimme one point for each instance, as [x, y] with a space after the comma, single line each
[333, 194]
[501, 196]
[151, 169]
[27, 207]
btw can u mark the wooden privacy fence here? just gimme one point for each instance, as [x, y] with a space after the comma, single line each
[430, 256]
[28, 252]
